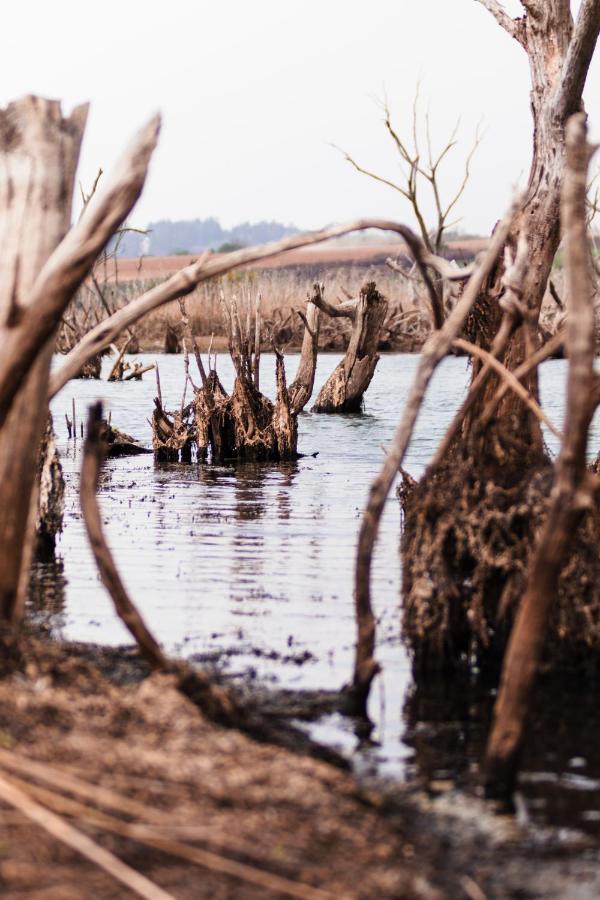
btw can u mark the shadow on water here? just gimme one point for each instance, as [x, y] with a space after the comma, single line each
[250, 566]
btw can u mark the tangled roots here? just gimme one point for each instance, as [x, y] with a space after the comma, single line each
[468, 535]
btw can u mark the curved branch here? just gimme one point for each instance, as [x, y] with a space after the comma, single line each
[93, 458]
[579, 56]
[434, 351]
[510, 380]
[183, 282]
[71, 262]
[510, 25]
[346, 310]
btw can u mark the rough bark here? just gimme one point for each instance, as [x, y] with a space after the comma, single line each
[559, 53]
[300, 390]
[40, 149]
[436, 348]
[40, 273]
[345, 388]
[572, 491]
[245, 425]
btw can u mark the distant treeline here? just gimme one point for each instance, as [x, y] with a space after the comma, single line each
[166, 238]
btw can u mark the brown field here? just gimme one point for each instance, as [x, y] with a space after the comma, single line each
[325, 255]
[283, 283]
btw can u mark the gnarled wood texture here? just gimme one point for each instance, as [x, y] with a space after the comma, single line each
[345, 388]
[39, 149]
[573, 488]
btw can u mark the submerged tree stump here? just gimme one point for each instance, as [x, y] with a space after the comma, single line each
[51, 500]
[244, 425]
[344, 389]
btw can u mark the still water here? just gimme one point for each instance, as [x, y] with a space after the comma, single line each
[251, 567]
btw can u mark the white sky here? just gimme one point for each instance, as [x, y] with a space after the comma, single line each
[253, 94]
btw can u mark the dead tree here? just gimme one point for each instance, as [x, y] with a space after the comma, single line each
[559, 52]
[421, 171]
[470, 521]
[574, 486]
[301, 388]
[40, 150]
[345, 388]
[244, 425]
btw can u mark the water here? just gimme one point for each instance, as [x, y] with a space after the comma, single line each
[257, 560]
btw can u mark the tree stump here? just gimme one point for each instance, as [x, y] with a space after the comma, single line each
[344, 390]
[51, 500]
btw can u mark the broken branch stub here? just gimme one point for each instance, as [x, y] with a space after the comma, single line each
[344, 389]
[300, 390]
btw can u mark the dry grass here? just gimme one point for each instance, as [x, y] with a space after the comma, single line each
[283, 292]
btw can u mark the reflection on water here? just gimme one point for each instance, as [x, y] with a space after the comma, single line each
[257, 560]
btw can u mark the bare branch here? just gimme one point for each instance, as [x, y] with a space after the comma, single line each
[93, 458]
[579, 56]
[570, 494]
[184, 281]
[72, 260]
[434, 351]
[511, 26]
[510, 380]
[80, 842]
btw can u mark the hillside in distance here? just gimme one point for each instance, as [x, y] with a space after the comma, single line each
[169, 238]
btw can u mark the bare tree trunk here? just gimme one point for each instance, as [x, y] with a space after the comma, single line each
[559, 54]
[344, 389]
[40, 150]
[301, 388]
[573, 486]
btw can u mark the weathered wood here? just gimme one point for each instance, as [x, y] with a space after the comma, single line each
[38, 316]
[186, 280]
[345, 388]
[40, 149]
[573, 486]
[300, 390]
[436, 348]
[37, 280]
[559, 53]
[94, 453]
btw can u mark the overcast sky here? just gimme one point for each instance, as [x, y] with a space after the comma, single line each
[253, 94]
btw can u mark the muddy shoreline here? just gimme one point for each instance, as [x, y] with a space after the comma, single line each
[267, 801]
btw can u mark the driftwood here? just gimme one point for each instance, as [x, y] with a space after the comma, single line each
[119, 366]
[80, 842]
[573, 487]
[344, 389]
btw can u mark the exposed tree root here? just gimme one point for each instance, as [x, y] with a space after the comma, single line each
[469, 531]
